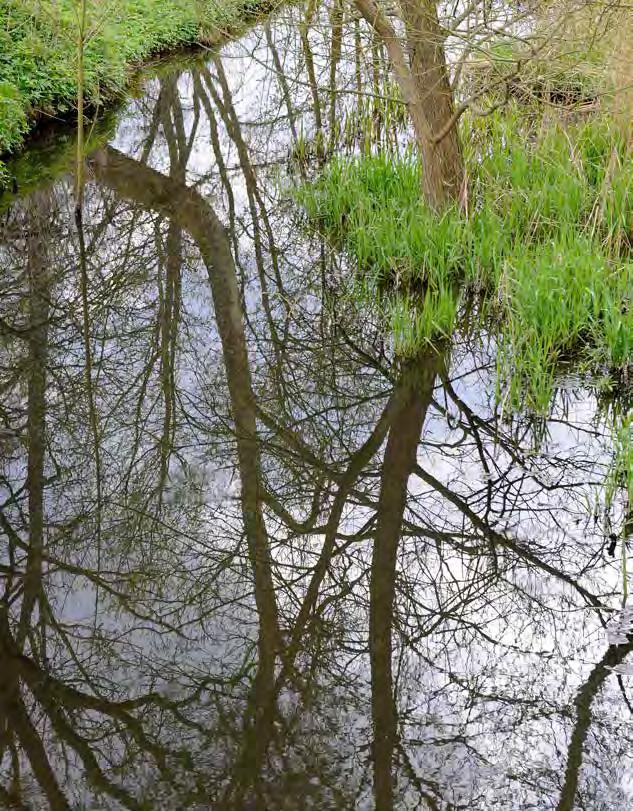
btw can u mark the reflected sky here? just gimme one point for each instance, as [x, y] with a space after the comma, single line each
[250, 557]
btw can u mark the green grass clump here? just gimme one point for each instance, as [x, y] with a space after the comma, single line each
[565, 302]
[545, 248]
[38, 43]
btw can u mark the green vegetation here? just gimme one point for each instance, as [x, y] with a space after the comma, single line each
[542, 260]
[38, 50]
[621, 476]
[620, 483]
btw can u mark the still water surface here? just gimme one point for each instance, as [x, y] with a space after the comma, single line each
[250, 558]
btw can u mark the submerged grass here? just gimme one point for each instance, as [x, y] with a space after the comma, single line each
[546, 248]
[38, 54]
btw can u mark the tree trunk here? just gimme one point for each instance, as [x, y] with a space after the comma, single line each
[443, 170]
[422, 78]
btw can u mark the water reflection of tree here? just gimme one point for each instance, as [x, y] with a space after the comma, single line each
[395, 585]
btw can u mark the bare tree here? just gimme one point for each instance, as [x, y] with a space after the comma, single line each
[429, 42]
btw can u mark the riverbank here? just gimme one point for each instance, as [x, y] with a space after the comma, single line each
[38, 51]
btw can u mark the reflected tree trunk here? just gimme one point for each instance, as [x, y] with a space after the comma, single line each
[193, 214]
[170, 294]
[38, 275]
[585, 697]
[15, 718]
[256, 204]
[415, 392]
[202, 94]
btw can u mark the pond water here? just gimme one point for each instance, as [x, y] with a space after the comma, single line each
[250, 558]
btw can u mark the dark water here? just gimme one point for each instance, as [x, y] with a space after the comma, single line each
[250, 559]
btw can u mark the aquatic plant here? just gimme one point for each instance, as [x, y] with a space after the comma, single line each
[544, 247]
[620, 482]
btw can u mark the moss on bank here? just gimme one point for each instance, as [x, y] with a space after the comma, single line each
[38, 50]
[545, 250]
